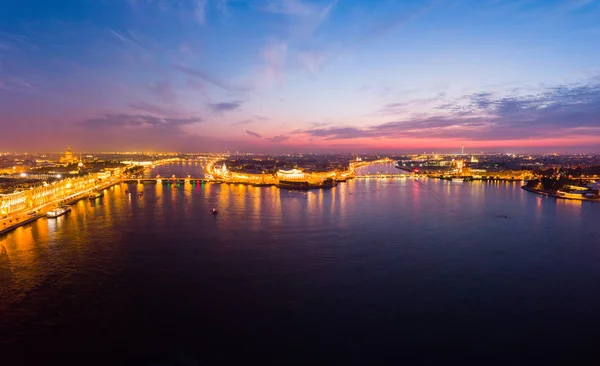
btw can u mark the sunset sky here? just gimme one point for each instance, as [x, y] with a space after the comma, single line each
[300, 75]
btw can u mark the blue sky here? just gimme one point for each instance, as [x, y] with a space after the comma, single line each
[300, 75]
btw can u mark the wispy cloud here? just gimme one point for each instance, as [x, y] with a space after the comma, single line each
[139, 120]
[18, 41]
[150, 108]
[287, 7]
[200, 11]
[118, 35]
[163, 90]
[222, 6]
[275, 56]
[397, 21]
[225, 106]
[403, 107]
[135, 46]
[243, 122]
[274, 139]
[557, 111]
[15, 84]
[313, 61]
[278, 138]
[296, 8]
[199, 74]
[253, 134]
[305, 20]
[335, 133]
[250, 120]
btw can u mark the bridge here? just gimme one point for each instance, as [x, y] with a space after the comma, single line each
[383, 176]
[194, 180]
[358, 164]
[172, 180]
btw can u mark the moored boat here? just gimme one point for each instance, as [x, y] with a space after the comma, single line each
[95, 195]
[304, 185]
[67, 208]
[293, 184]
[56, 212]
[327, 183]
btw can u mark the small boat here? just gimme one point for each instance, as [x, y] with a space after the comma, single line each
[95, 195]
[214, 211]
[56, 212]
[67, 208]
[458, 179]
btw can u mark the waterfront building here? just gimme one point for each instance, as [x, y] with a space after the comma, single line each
[293, 174]
[48, 192]
[12, 202]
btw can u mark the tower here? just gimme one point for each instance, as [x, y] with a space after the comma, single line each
[462, 150]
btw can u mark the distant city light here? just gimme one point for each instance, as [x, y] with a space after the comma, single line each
[23, 175]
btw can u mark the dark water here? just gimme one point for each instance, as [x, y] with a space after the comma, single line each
[373, 271]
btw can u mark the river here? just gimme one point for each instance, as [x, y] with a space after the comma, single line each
[370, 270]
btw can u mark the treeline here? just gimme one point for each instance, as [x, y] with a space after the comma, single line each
[551, 184]
[133, 170]
[573, 172]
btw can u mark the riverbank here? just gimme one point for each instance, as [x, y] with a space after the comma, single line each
[556, 195]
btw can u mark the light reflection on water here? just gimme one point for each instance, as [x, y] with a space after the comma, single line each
[420, 257]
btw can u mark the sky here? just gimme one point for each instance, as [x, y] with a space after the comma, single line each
[278, 76]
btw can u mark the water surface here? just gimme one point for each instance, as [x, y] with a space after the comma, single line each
[367, 271]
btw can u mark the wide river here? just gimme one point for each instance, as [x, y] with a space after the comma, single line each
[367, 271]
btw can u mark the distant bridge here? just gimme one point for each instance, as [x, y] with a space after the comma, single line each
[383, 176]
[190, 180]
[167, 180]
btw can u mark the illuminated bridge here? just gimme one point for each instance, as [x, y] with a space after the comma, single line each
[191, 180]
[384, 176]
[172, 180]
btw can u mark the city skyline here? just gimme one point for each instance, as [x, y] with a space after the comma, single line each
[281, 76]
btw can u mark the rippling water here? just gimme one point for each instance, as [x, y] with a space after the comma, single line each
[367, 271]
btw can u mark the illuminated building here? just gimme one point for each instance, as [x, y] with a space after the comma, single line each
[68, 158]
[458, 164]
[12, 202]
[36, 196]
[290, 174]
